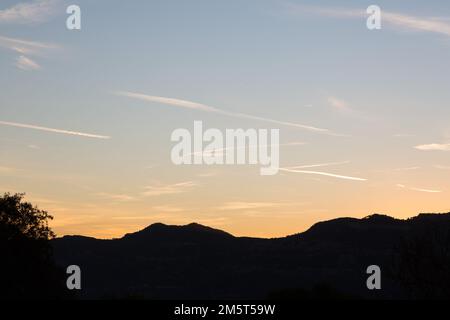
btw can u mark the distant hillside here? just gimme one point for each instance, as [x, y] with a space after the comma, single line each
[328, 260]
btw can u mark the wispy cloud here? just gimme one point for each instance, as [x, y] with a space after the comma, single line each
[202, 107]
[168, 101]
[398, 20]
[167, 209]
[407, 169]
[27, 64]
[207, 174]
[323, 174]
[221, 151]
[132, 218]
[26, 48]
[418, 189]
[434, 147]
[36, 11]
[61, 131]
[417, 23]
[319, 165]
[441, 167]
[158, 190]
[338, 104]
[403, 135]
[344, 107]
[116, 197]
[426, 190]
[246, 205]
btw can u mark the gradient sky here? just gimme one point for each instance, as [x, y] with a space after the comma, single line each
[384, 95]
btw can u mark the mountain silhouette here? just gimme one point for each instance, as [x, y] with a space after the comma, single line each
[328, 260]
[191, 232]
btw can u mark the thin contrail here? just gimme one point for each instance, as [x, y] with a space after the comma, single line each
[319, 165]
[202, 107]
[426, 190]
[418, 189]
[12, 42]
[221, 150]
[324, 174]
[74, 133]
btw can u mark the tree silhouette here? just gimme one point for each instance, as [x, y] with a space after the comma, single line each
[422, 263]
[27, 269]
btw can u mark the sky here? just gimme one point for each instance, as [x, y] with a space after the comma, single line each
[86, 115]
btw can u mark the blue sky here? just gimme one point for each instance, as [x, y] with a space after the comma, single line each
[307, 62]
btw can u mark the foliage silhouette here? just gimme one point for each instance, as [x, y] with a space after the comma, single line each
[422, 260]
[27, 270]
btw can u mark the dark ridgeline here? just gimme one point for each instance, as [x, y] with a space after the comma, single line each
[327, 261]
[196, 262]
